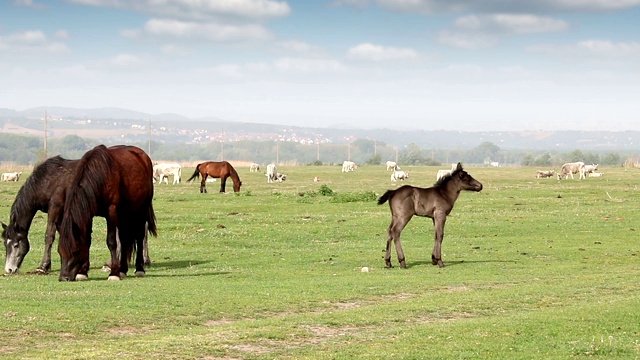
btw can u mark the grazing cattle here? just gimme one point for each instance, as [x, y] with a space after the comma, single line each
[392, 165]
[570, 169]
[399, 175]
[272, 172]
[316, 179]
[254, 167]
[542, 174]
[163, 171]
[349, 166]
[588, 169]
[281, 177]
[595, 174]
[12, 176]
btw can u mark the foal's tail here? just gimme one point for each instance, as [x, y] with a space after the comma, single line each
[383, 199]
[196, 173]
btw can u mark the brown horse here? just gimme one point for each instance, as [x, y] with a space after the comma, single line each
[216, 169]
[435, 202]
[115, 183]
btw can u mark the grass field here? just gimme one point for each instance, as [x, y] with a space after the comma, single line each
[536, 269]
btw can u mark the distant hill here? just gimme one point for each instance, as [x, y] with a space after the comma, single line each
[110, 123]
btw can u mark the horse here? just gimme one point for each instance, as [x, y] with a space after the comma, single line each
[216, 169]
[435, 202]
[44, 190]
[115, 183]
[12, 176]
[163, 171]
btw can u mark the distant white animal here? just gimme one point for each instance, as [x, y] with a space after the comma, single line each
[281, 177]
[272, 172]
[570, 169]
[541, 174]
[443, 173]
[588, 169]
[596, 174]
[163, 171]
[316, 179]
[254, 167]
[392, 165]
[349, 166]
[495, 164]
[12, 176]
[399, 175]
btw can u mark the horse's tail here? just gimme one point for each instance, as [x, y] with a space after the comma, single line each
[151, 221]
[383, 199]
[196, 174]
[81, 203]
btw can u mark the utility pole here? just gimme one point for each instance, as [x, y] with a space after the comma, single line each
[317, 149]
[349, 151]
[278, 152]
[222, 145]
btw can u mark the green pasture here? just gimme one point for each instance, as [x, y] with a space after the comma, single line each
[535, 269]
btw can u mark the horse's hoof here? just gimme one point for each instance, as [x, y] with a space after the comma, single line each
[81, 277]
[140, 273]
[113, 278]
[41, 271]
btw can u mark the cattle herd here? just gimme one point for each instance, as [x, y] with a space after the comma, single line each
[569, 169]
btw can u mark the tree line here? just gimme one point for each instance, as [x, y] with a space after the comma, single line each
[29, 150]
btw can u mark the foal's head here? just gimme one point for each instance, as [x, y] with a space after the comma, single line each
[462, 179]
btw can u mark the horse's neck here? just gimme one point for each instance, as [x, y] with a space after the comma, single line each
[451, 191]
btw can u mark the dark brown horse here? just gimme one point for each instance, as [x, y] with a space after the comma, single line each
[115, 183]
[216, 169]
[435, 202]
[45, 190]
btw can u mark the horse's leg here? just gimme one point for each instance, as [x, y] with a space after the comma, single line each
[49, 239]
[223, 183]
[438, 223]
[396, 227]
[145, 246]
[140, 237]
[112, 243]
[203, 184]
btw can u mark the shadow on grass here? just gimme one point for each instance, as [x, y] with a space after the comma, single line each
[176, 264]
[456, 262]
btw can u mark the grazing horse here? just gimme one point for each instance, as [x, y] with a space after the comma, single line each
[115, 183]
[272, 173]
[392, 165]
[216, 169]
[44, 190]
[435, 202]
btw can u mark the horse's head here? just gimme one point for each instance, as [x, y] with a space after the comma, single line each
[17, 246]
[236, 186]
[467, 181]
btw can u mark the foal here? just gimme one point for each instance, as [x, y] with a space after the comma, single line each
[435, 202]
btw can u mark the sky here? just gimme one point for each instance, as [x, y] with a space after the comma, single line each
[468, 65]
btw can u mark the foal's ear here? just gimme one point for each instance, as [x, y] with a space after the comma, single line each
[459, 167]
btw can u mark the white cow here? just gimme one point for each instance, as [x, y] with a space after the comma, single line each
[254, 167]
[281, 177]
[12, 176]
[392, 165]
[570, 169]
[163, 171]
[272, 173]
[349, 166]
[399, 175]
[542, 174]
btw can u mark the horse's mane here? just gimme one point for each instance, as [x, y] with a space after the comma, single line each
[25, 201]
[82, 199]
[445, 179]
[233, 172]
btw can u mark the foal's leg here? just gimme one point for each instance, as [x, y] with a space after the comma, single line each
[396, 227]
[438, 223]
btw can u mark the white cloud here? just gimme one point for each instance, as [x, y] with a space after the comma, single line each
[196, 30]
[300, 47]
[34, 40]
[126, 60]
[199, 10]
[599, 48]
[311, 66]
[482, 31]
[505, 6]
[373, 52]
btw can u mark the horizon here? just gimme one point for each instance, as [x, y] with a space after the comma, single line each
[458, 65]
